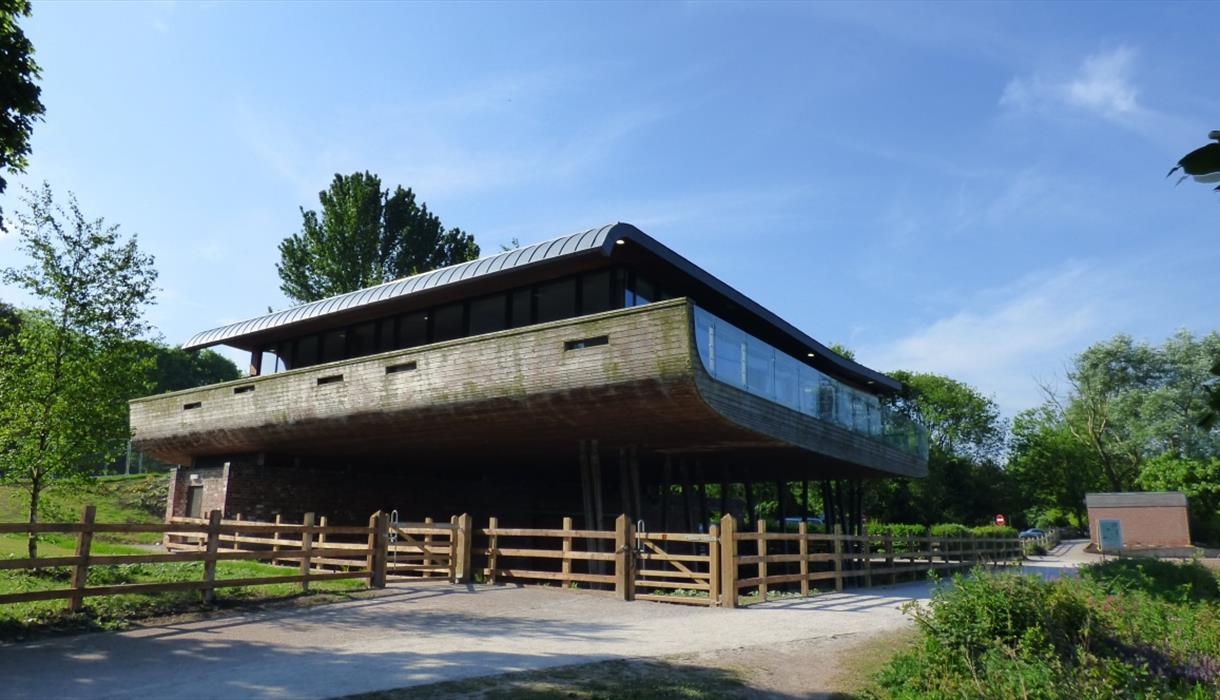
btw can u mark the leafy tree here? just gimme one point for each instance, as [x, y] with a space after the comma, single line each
[966, 434]
[174, 369]
[67, 373]
[1129, 401]
[959, 420]
[21, 95]
[843, 351]
[365, 236]
[1199, 479]
[1048, 466]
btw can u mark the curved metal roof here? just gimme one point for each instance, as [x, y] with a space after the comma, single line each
[582, 242]
[594, 241]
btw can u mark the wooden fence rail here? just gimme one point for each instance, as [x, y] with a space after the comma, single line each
[698, 569]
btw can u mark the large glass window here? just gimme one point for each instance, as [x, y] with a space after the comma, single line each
[334, 346]
[556, 300]
[730, 355]
[595, 292]
[360, 340]
[522, 301]
[760, 371]
[786, 389]
[448, 322]
[385, 335]
[306, 352]
[734, 357]
[412, 330]
[488, 314]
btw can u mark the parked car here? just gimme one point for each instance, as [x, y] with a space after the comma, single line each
[1032, 534]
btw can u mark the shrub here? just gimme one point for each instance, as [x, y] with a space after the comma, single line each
[900, 532]
[1004, 635]
[996, 531]
[950, 530]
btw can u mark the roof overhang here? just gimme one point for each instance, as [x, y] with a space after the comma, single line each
[570, 253]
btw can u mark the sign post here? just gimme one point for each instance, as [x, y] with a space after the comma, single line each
[999, 519]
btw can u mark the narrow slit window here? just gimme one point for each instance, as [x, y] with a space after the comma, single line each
[404, 367]
[586, 343]
[332, 379]
[249, 388]
[190, 406]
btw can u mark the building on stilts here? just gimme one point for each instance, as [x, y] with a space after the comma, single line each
[591, 375]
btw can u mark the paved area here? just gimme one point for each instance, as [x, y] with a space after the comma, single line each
[418, 633]
[413, 634]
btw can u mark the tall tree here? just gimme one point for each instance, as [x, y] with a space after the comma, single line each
[175, 369]
[20, 96]
[365, 236]
[1048, 466]
[67, 373]
[966, 438]
[1129, 401]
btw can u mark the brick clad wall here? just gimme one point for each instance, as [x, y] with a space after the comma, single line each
[215, 489]
[1144, 526]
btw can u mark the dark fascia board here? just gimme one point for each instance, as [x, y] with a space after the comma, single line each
[601, 241]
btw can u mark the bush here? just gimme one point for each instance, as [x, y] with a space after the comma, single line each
[950, 530]
[1004, 635]
[996, 531]
[900, 532]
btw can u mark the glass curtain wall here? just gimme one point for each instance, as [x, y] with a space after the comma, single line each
[737, 358]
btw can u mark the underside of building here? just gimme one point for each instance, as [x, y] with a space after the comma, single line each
[596, 374]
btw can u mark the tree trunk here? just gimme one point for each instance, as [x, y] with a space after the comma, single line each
[35, 492]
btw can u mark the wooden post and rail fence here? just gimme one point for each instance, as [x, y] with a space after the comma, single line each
[724, 567]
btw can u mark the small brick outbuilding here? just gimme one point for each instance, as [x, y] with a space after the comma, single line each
[1130, 523]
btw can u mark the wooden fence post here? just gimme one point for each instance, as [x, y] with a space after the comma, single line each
[279, 520]
[306, 548]
[375, 559]
[209, 562]
[868, 560]
[728, 561]
[713, 566]
[802, 529]
[493, 541]
[567, 553]
[838, 541]
[453, 548]
[762, 560]
[889, 557]
[465, 541]
[624, 557]
[427, 547]
[80, 575]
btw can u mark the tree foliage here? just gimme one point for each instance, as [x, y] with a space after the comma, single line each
[966, 434]
[1129, 401]
[1049, 468]
[365, 236]
[21, 104]
[175, 369]
[67, 373]
[960, 421]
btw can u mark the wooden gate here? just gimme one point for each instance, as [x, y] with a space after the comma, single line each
[677, 567]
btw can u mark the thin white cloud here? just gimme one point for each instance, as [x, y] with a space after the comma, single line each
[1006, 340]
[1101, 85]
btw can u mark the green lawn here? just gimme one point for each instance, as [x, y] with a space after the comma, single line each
[123, 499]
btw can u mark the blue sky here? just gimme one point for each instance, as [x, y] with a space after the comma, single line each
[976, 190]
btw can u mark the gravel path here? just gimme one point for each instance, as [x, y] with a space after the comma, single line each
[413, 634]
